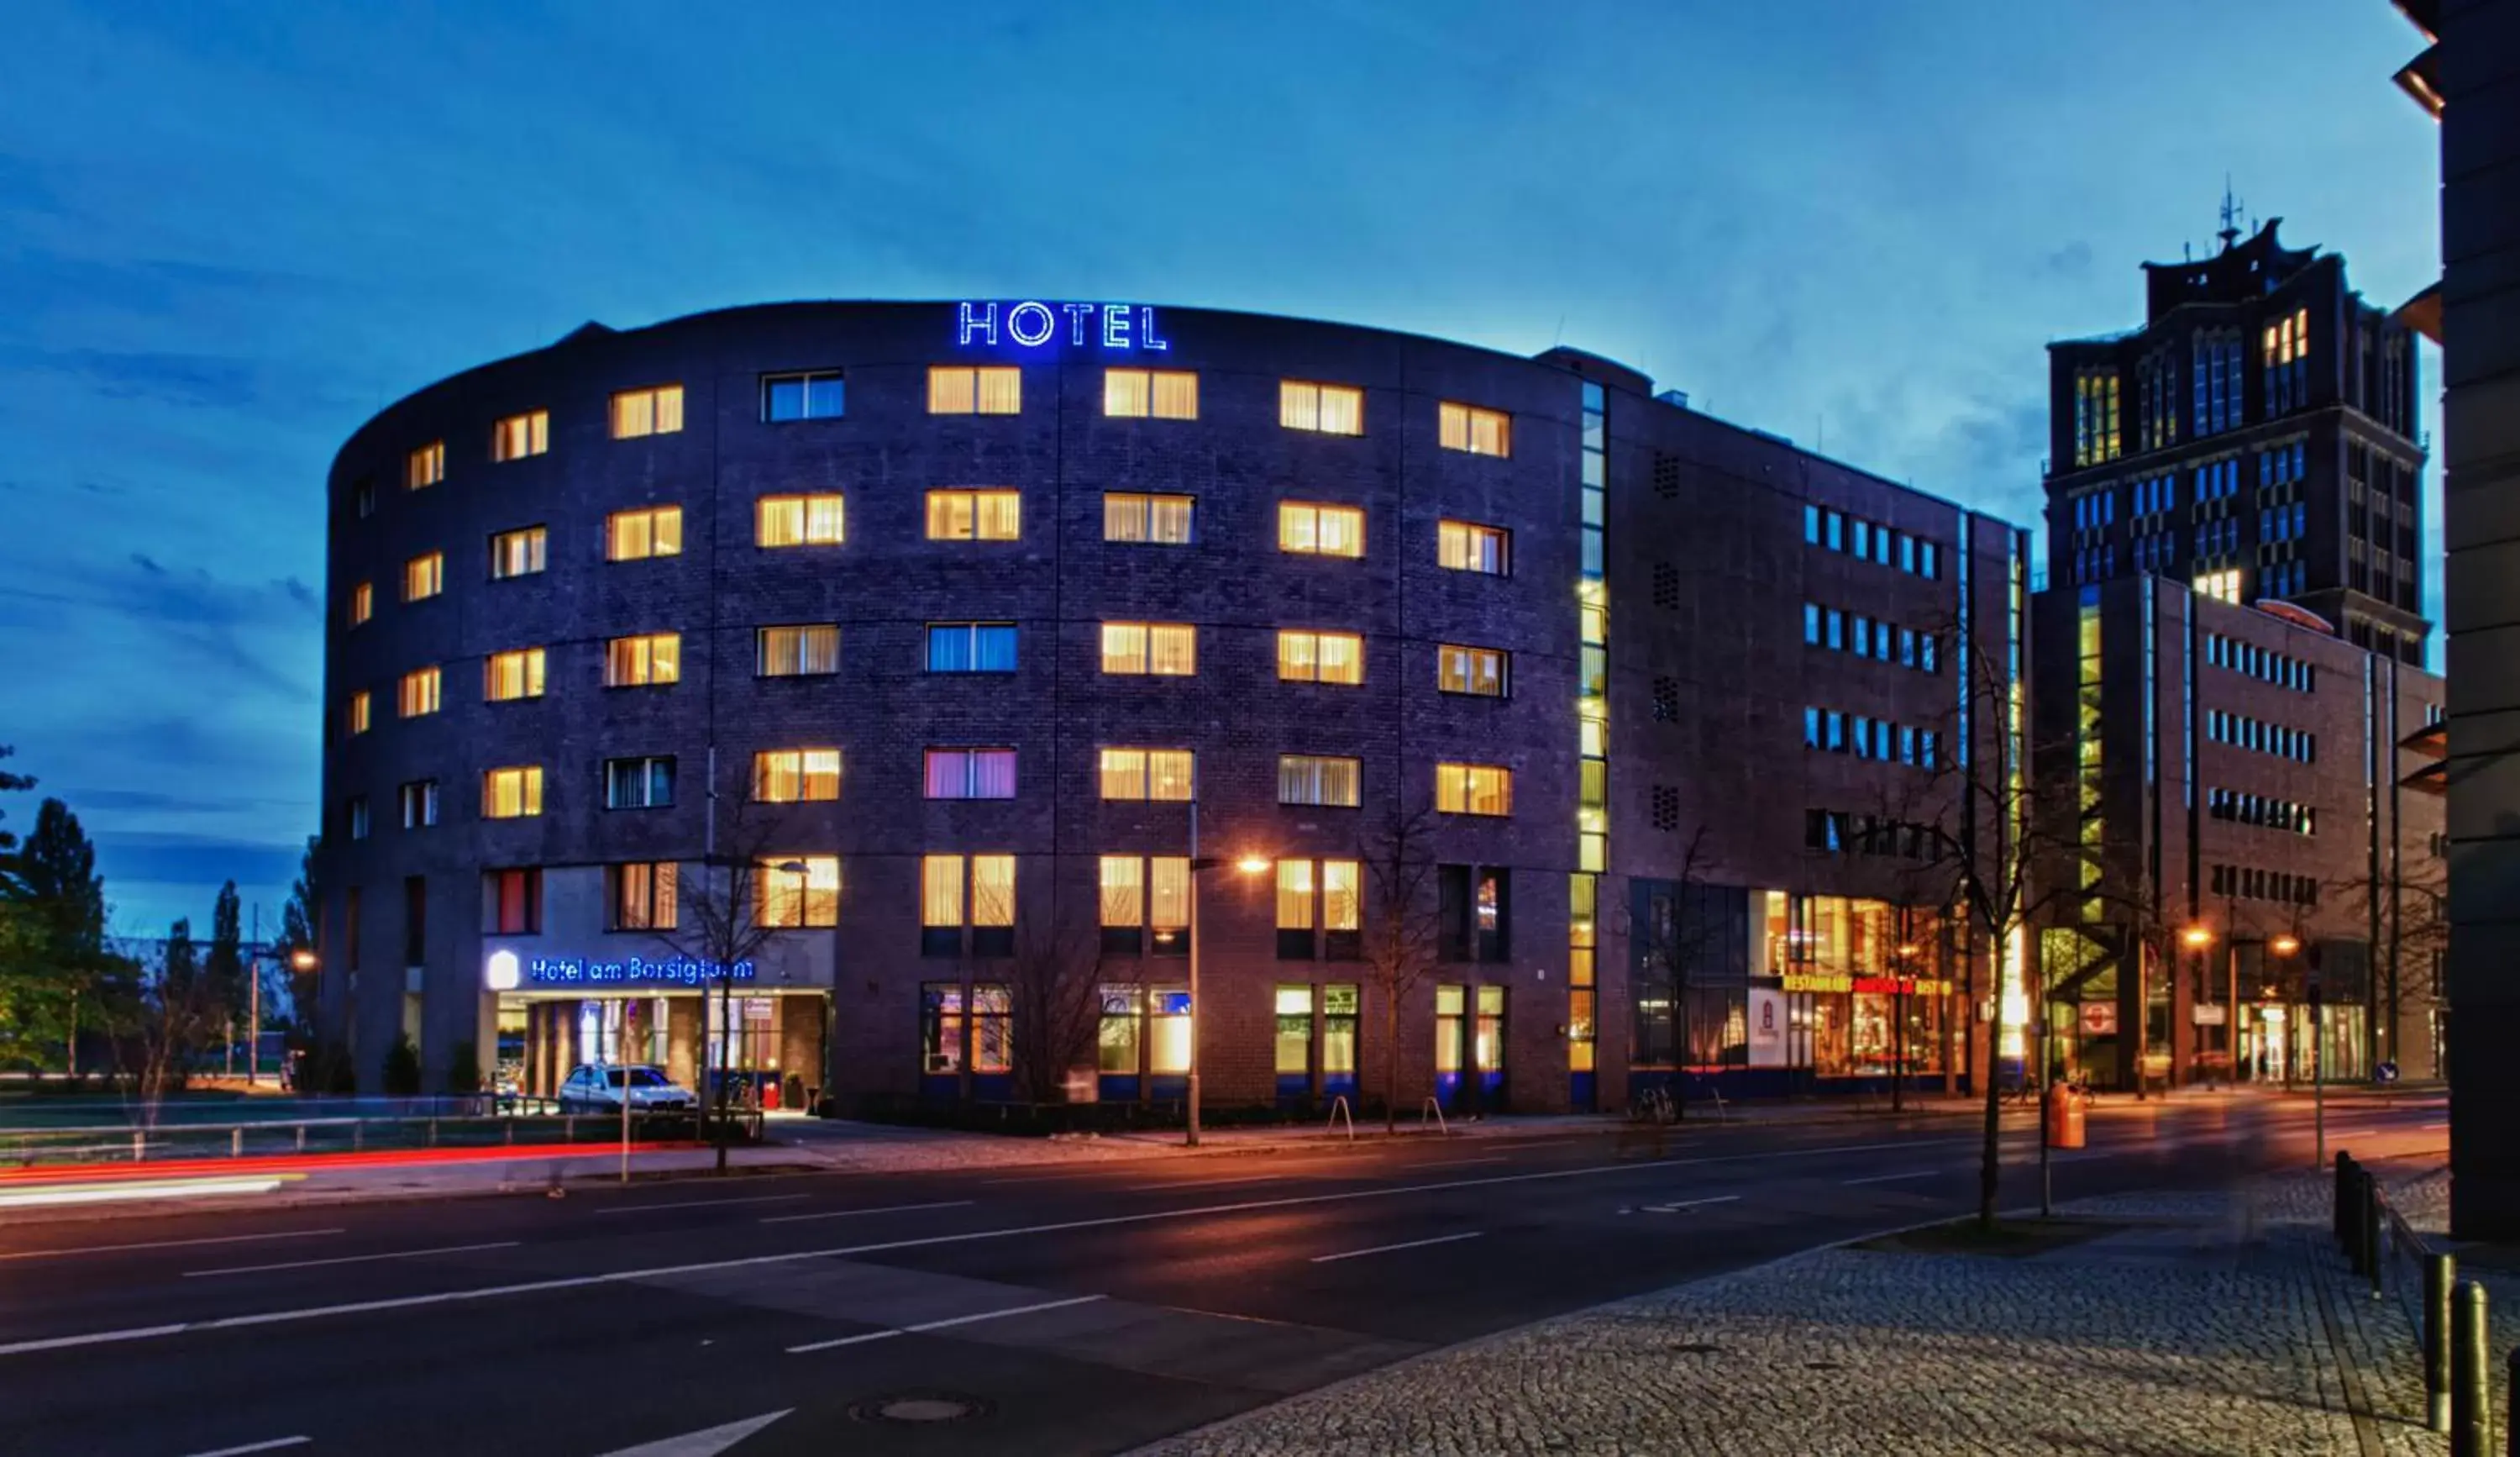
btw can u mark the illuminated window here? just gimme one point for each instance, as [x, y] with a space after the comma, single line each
[971, 646]
[512, 793]
[985, 884]
[1311, 779]
[988, 390]
[513, 901]
[1320, 530]
[974, 515]
[1320, 657]
[967, 1029]
[796, 776]
[657, 411]
[1141, 896]
[517, 553]
[786, 898]
[1323, 893]
[1463, 546]
[418, 799]
[359, 713]
[419, 693]
[1163, 521]
[1473, 789]
[970, 774]
[798, 521]
[816, 395]
[1330, 409]
[1146, 773]
[521, 436]
[1162, 649]
[363, 603]
[642, 783]
[423, 576]
[647, 660]
[640, 895]
[648, 531]
[1476, 430]
[1480, 671]
[1158, 393]
[803, 650]
[425, 467]
[512, 675]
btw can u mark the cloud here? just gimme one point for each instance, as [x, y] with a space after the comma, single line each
[2073, 261]
[212, 380]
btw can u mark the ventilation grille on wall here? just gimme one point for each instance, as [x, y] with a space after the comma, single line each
[1666, 589]
[1666, 807]
[1667, 475]
[1666, 700]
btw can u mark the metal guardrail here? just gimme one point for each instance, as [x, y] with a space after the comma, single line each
[2449, 1316]
[523, 1119]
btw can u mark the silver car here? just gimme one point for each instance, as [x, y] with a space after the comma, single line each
[592, 1089]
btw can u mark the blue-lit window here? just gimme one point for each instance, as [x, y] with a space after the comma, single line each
[1811, 624]
[1810, 524]
[971, 646]
[1812, 727]
[1837, 525]
[1863, 533]
[1929, 558]
[1906, 553]
[801, 396]
[1836, 629]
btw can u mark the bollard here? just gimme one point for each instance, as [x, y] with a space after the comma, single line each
[139, 1145]
[358, 1136]
[2375, 1232]
[432, 1133]
[2441, 1278]
[2344, 1197]
[2471, 1421]
[236, 1143]
[301, 1138]
[2357, 1199]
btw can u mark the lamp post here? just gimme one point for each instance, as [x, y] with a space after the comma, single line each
[1899, 984]
[1247, 864]
[2288, 946]
[2196, 938]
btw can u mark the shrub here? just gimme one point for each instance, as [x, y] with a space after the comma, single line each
[402, 1070]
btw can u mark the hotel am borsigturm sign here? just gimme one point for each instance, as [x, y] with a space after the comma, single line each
[1033, 324]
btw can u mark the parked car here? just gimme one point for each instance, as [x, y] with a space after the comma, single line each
[591, 1089]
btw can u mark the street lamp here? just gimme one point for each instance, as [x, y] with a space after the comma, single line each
[1247, 864]
[2196, 938]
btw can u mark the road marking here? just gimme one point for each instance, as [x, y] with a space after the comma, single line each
[701, 1204]
[940, 1325]
[348, 1259]
[287, 1234]
[1891, 1178]
[841, 1252]
[1201, 1184]
[273, 1445]
[1323, 1259]
[898, 1208]
[707, 1443]
[2429, 1127]
[1458, 1162]
[1677, 1205]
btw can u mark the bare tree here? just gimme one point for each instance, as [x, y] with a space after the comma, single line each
[1979, 831]
[1056, 1004]
[1677, 942]
[1402, 929]
[719, 923]
[166, 1022]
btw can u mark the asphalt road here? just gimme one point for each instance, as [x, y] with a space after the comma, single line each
[1077, 1308]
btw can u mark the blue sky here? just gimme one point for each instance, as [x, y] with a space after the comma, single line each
[228, 233]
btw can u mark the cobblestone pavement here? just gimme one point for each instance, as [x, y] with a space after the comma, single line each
[2212, 1323]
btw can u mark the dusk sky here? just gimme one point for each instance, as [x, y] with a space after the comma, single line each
[227, 233]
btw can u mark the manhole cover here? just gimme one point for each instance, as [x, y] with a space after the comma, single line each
[921, 1407]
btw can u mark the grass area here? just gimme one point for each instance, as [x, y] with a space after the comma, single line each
[2011, 1239]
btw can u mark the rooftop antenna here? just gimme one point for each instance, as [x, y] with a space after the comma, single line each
[2231, 232]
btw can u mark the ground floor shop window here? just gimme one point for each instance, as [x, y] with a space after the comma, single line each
[1294, 1033]
[1116, 1042]
[750, 1041]
[965, 1027]
[1338, 1037]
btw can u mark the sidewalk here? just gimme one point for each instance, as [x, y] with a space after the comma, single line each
[2219, 1322]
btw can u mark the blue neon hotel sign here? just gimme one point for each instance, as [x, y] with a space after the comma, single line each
[577, 971]
[1031, 324]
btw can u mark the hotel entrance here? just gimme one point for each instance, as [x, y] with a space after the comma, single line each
[766, 1048]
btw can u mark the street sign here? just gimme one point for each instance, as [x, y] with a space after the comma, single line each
[2206, 1016]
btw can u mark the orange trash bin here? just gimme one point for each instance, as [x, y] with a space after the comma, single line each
[2064, 1118]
